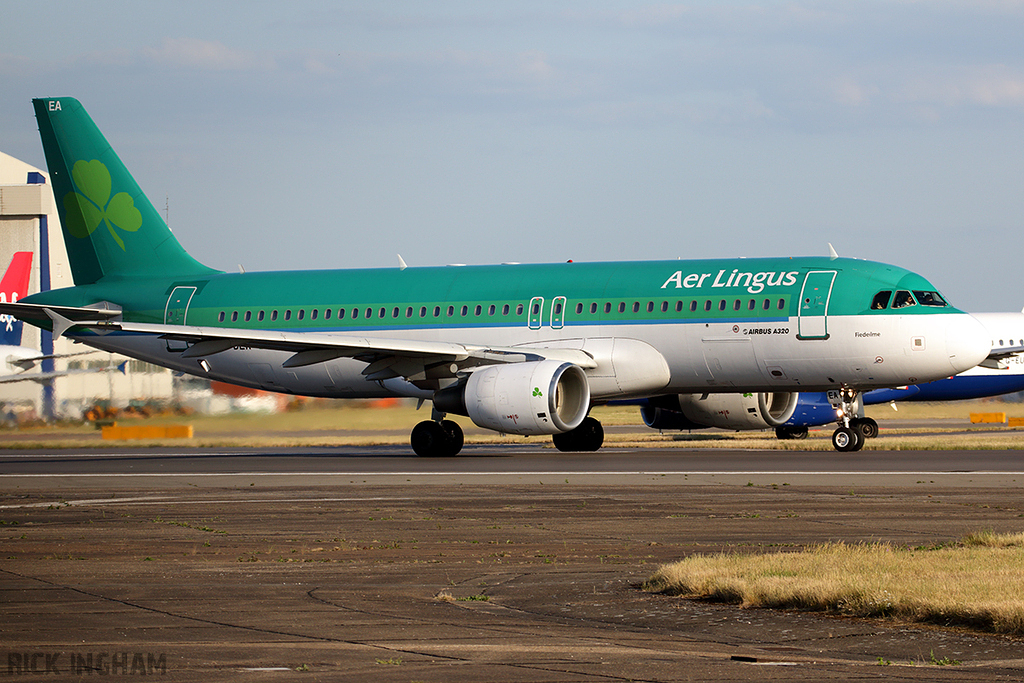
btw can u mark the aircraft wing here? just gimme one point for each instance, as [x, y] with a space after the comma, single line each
[386, 357]
[997, 357]
[46, 376]
[30, 361]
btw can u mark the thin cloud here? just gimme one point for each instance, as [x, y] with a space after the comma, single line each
[208, 55]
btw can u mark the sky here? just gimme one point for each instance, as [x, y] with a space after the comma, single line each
[293, 135]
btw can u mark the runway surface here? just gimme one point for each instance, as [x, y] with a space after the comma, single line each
[356, 563]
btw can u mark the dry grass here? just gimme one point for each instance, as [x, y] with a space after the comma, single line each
[357, 423]
[935, 410]
[976, 582]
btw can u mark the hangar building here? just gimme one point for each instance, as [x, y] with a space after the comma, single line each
[29, 222]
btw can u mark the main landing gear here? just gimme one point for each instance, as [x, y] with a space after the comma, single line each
[587, 437]
[785, 433]
[441, 438]
[437, 437]
[852, 433]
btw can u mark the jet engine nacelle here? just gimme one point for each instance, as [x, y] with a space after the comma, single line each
[726, 411]
[542, 397]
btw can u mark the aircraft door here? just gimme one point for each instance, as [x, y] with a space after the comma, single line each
[536, 312]
[814, 298]
[176, 312]
[177, 305]
[557, 312]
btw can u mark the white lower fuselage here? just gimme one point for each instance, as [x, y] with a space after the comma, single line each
[861, 352]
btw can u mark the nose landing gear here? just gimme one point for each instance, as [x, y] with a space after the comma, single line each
[852, 433]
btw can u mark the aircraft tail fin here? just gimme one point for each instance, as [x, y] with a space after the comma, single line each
[111, 229]
[13, 287]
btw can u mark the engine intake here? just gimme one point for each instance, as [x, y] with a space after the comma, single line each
[542, 397]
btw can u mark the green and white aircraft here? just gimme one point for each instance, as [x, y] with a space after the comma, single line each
[519, 349]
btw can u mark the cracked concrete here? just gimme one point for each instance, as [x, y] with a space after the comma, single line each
[470, 583]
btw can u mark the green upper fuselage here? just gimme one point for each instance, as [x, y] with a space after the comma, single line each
[471, 296]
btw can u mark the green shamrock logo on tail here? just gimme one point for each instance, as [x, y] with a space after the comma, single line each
[92, 204]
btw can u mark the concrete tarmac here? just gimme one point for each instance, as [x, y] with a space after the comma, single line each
[503, 565]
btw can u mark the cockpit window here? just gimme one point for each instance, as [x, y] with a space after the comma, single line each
[929, 298]
[903, 299]
[881, 300]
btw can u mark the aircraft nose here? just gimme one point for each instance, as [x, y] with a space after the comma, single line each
[967, 343]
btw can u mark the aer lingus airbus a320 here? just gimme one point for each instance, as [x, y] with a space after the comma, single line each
[519, 349]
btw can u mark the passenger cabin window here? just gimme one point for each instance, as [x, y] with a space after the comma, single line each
[273, 314]
[608, 307]
[579, 309]
[234, 316]
[259, 316]
[593, 307]
[693, 306]
[903, 299]
[504, 309]
[929, 298]
[881, 300]
[313, 314]
[519, 309]
[220, 317]
[327, 314]
[302, 314]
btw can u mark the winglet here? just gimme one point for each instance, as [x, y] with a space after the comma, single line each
[401, 263]
[832, 255]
